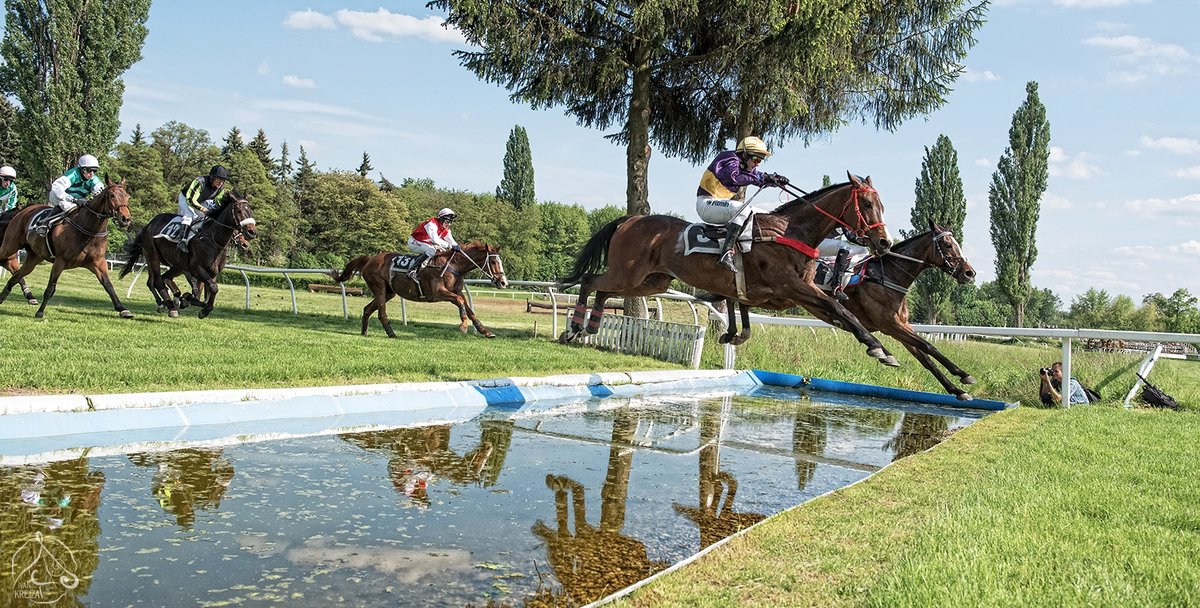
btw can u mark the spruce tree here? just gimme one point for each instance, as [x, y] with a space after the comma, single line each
[365, 166]
[63, 61]
[1014, 198]
[303, 185]
[138, 138]
[233, 143]
[282, 170]
[262, 148]
[517, 186]
[939, 199]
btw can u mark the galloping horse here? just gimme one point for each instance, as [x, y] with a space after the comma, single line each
[440, 281]
[182, 299]
[645, 252]
[880, 301]
[206, 251]
[81, 239]
[11, 263]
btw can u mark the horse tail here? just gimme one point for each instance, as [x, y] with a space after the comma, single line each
[133, 252]
[354, 266]
[594, 255]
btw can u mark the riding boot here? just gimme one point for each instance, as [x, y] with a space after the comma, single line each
[418, 265]
[732, 231]
[52, 219]
[182, 244]
[839, 270]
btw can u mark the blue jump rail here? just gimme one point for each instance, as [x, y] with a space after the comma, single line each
[870, 390]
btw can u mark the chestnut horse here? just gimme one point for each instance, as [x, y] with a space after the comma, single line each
[441, 281]
[81, 239]
[11, 263]
[644, 253]
[205, 256]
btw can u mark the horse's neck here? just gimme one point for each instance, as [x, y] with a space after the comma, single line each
[909, 268]
[805, 223]
[222, 227]
[89, 218]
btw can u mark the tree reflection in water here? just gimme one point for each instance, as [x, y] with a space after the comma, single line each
[715, 520]
[49, 532]
[918, 432]
[419, 455]
[810, 433]
[187, 481]
[592, 562]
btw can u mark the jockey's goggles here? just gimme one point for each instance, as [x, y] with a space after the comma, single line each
[757, 157]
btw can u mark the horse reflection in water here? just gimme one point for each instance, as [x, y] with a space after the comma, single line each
[49, 532]
[715, 519]
[187, 481]
[592, 562]
[420, 455]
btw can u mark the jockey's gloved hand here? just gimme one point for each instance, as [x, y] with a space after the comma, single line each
[779, 180]
[457, 248]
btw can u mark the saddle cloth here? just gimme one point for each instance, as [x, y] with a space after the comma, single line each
[39, 219]
[403, 263]
[174, 228]
[702, 238]
[857, 268]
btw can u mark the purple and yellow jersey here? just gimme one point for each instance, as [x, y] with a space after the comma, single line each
[725, 176]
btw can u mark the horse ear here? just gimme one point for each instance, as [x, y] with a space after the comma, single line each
[932, 226]
[868, 181]
[853, 179]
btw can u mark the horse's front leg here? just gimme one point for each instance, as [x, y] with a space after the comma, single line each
[100, 269]
[744, 336]
[921, 349]
[465, 313]
[831, 311]
[731, 324]
[18, 275]
[210, 300]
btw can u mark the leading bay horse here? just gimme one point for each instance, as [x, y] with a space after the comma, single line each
[81, 239]
[440, 281]
[643, 253]
[205, 256]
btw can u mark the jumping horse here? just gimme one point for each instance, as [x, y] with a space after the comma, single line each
[80, 239]
[205, 255]
[441, 280]
[640, 255]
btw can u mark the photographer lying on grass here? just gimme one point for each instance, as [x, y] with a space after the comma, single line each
[1052, 384]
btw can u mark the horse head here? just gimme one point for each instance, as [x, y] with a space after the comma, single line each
[487, 258]
[863, 214]
[113, 202]
[243, 218]
[949, 257]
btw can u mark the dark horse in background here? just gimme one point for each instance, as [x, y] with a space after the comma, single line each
[206, 249]
[80, 239]
[11, 263]
[440, 281]
[643, 253]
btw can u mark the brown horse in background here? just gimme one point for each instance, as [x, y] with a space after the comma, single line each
[440, 281]
[11, 263]
[644, 253]
[81, 239]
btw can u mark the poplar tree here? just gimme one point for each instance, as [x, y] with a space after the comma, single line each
[939, 199]
[63, 61]
[10, 142]
[365, 166]
[1014, 198]
[517, 186]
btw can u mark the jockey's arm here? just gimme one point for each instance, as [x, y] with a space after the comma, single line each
[193, 195]
[97, 187]
[731, 173]
[450, 239]
[431, 230]
[58, 190]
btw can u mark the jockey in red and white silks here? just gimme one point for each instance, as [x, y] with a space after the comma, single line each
[432, 237]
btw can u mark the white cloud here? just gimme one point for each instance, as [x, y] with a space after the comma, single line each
[299, 83]
[983, 162]
[1152, 207]
[1188, 173]
[304, 107]
[970, 75]
[1160, 252]
[308, 20]
[1178, 145]
[1144, 57]
[1071, 167]
[1187, 248]
[1054, 201]
[1096, 3]
[372, 27]
[264, 69]
[309, 146]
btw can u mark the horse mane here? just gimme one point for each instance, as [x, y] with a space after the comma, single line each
[807, 198]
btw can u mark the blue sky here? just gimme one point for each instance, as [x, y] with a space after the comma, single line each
[1118, 78]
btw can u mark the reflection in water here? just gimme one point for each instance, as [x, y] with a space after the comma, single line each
[809, 436]
[715, 520]
[187, 480]
[591, 563]
[419, 455]
[49, 533]
[918, 432]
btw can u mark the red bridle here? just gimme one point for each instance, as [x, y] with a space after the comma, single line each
[862, 228]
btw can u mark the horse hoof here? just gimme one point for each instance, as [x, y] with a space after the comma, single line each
[739, 340]
[126, 314]
[173, 313]
[890, 361]
[462, 328]
[876, 353]
[724, 339]
[204, 313]
[32, 301]
[968, 380]
[488, 334]
[39, 314]
[564, 337]
[964, 397]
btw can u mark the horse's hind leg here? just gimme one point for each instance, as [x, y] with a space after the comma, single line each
[597, 315]
[18, 276]
[12, 266]
[576, 326]
[100, 269]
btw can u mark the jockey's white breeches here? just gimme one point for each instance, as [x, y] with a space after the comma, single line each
[416, 246]
[830, 247]
[721, 211]
[186, 212]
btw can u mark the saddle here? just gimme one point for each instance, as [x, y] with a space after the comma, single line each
[40, 222]
[857, 269]
[174, 229]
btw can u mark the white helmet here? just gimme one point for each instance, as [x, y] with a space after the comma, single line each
[87, 161]
[754, 146]
[7, 171]
[447, 213]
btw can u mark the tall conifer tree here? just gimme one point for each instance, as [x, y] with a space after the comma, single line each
[940, 199]
[1014, 198]
[517, 186]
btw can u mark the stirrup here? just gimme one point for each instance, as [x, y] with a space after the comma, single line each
[840, 295]
[726, 260]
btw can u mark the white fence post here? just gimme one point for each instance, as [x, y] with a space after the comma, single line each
[1144, 370]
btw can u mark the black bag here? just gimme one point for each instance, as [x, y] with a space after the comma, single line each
[1092, 394]
[1154, 397]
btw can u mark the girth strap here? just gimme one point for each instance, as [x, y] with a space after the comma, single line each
[800, 246]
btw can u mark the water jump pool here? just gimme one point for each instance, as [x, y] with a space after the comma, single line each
[559, 501]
